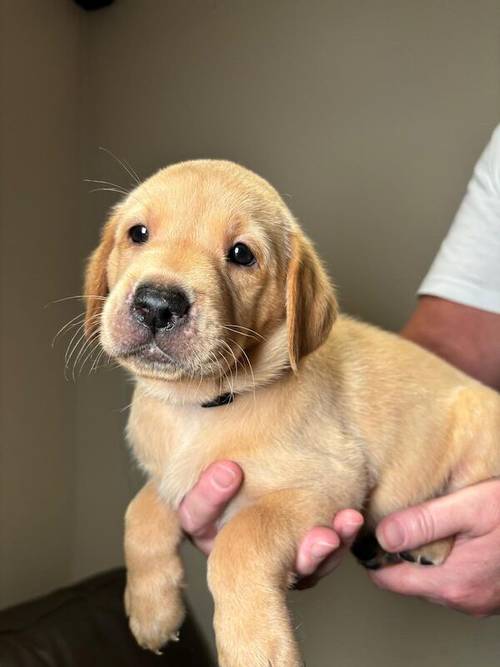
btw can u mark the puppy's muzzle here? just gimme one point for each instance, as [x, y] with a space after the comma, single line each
[160, 308]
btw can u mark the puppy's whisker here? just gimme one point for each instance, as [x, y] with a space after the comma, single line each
[69, 324]
[235, 360]
[80, 339]
[227, 379]
[234, 375]
[240, 326]
[76, 296]
[81, 327]
[95, 365]
[212, 356]
[91, 343]
[197, 365]
[222, 373]
[80, 320]
[250, 368]
[252, 331]
[125, 166]
[190, 381]
[92, 348]
[109, 188]
[110, 364]
[239, 333]
[69, 349]
[228, 365]
[119, 192]
[78, 370]
[202, 374]
[107, 183]
[220, 370]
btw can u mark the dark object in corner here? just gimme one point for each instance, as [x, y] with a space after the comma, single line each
[90, 5]
[85, 626]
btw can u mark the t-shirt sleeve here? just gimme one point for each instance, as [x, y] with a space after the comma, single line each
[467, 267]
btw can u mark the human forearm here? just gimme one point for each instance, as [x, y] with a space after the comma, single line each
[468, 338]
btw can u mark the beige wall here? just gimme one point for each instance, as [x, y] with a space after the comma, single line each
[368, 116]
[39, 175]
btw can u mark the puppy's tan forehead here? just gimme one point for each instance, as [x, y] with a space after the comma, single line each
[206, 195]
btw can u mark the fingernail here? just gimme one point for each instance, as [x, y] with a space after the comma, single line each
[354, 523]
[321, 549]
[350, 529]
[223, 477]
[392, 535]
[353, 517]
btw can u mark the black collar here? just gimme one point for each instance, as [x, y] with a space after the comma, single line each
[223, 399]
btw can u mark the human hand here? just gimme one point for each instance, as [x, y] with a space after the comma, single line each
[320, 550]
[205, 503]
[469, 580]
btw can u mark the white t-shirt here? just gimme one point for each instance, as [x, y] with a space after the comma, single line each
[467, 266]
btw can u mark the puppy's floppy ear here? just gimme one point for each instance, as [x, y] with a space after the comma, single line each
[311, 306]
[96, 281]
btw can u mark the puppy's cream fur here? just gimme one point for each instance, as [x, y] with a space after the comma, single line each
[329, 412]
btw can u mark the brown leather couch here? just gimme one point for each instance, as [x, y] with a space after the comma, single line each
[85, 626]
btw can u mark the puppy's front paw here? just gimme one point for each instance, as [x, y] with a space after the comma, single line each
[263, 641]
[155, 612]
[274, 654]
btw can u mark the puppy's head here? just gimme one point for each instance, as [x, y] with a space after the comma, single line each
[197, 268]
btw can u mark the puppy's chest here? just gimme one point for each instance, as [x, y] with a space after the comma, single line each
[175, 446]
[190, 451]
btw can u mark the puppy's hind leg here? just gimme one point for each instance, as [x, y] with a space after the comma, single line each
[474, 444]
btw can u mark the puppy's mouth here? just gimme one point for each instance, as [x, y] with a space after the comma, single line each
[177, 356]
[162, 351]
[150, 352]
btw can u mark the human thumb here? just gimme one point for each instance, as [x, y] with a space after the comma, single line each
[473, 510]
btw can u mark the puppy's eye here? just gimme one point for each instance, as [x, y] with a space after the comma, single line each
[241, 254]
[138, 234]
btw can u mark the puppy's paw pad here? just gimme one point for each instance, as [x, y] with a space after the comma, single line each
[425, 561]
[407, 556]
[417, 558]
[372, 564]
[391, 559]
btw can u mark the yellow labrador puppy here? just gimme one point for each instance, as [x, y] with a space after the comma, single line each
[205, 288]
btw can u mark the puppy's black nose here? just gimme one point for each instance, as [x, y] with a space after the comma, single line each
[159, 307]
